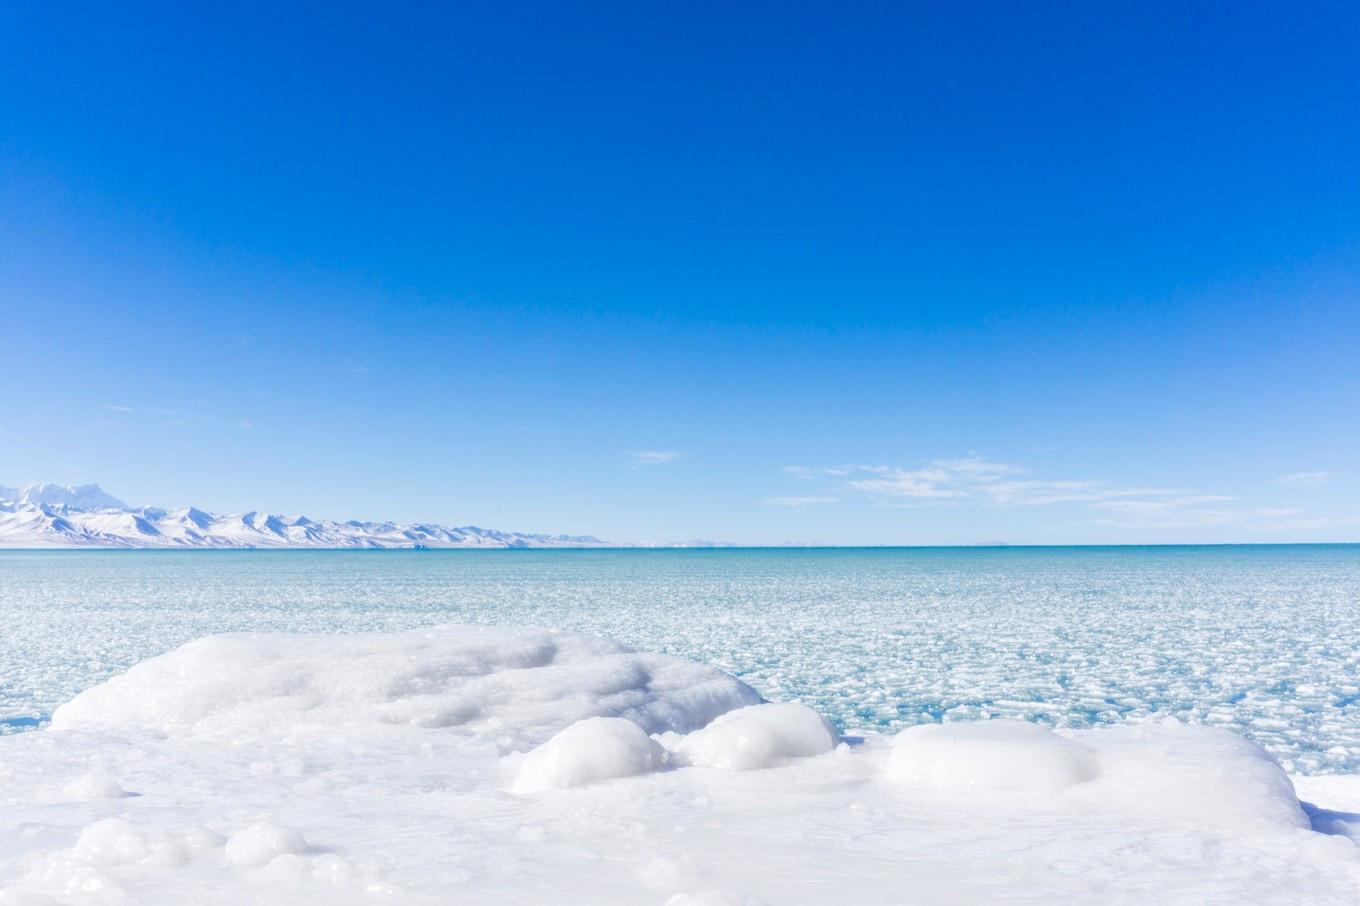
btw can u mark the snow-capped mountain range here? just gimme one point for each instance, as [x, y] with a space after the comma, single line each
[48, 515]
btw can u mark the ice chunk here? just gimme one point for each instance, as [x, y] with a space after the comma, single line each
[111, 841]
[260, 843]
[597, 748]
[989, 755]
[199, 838]
[759, 736]
[94, 786]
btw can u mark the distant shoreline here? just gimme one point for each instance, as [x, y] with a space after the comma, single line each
[663, 548]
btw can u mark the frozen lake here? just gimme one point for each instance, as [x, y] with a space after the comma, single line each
[1263, 640]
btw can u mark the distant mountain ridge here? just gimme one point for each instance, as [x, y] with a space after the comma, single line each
[48, 515]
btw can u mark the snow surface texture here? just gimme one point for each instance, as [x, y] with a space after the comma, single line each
[1263, 641]
[558, 770]
[47, 515]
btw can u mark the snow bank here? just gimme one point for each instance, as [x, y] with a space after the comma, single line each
[516, 686]
[330, 770]
[597, 748]
[989, 755]
[759, 736]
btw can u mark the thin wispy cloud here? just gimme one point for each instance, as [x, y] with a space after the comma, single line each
[638, 458]
[801, 503]
[811, 472]
[979, 481]
[1203, 511]
[972, 478]
[1305, 479]
[180, 416]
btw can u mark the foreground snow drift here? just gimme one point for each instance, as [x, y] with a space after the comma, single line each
[513, 687]
[487, 765]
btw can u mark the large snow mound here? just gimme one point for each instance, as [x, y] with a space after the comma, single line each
[515, 686]
[597, 748]
[992, 755]
[759, 736]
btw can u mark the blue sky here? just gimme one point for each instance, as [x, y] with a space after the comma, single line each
[767, 273]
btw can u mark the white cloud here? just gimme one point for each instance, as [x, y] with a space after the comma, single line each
[819, 471]
[652, 457]
[180, 416]
[799, 503]
[1199, 511]
[1029, 492]
[1306, 479]
[976, 480]
[942, 478]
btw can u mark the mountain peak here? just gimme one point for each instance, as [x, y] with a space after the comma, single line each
[49, 515]
[75, 497]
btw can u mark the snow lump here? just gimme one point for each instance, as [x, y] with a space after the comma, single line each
[759, 736]
[597, 748]
[1008, 755]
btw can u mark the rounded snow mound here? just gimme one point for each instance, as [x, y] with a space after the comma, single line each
[515, 686]
[597, 748]
[759, 736]
[260, 843]
[94, 786]
[1006, 755]
[1194, 772]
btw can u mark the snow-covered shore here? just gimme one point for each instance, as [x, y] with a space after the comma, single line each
[495, 765]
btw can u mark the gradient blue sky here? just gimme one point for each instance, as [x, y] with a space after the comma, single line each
[874, 273]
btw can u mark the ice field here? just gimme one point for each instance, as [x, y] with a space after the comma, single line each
[366, 736]
[1262, 640]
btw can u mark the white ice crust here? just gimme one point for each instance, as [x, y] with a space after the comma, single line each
[479, 765]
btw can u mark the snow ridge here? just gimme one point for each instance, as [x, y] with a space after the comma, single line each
[48, 515]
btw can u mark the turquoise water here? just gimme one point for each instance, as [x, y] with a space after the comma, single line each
[1261, 639]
